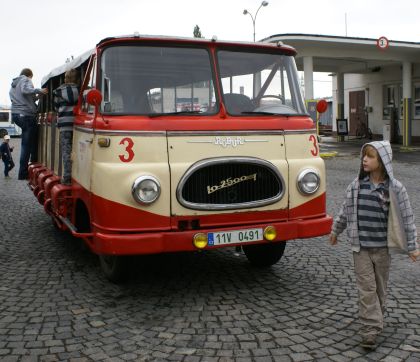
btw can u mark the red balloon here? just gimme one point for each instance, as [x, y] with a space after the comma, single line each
[321, 106]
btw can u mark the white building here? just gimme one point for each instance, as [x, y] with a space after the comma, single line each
[376, 82]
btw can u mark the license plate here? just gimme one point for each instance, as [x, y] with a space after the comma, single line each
[234, 236]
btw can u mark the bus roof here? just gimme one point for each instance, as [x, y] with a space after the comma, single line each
[77, 61]
[200, 40]
[74, 63]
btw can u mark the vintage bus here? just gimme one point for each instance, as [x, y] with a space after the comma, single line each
[183, 145]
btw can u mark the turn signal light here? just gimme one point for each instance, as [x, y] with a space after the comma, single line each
[270, 233]
[200, 240]
[104, 142]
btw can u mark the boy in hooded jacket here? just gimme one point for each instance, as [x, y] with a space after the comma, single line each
[379, 220]
[65, 98]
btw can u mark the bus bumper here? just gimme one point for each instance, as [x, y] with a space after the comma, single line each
[174, 241]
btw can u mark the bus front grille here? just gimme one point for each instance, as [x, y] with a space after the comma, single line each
[230, 183]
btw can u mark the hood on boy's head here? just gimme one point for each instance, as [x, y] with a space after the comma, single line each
[385, 153]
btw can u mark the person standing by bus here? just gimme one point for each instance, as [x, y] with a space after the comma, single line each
[23, 96]
[65, 98]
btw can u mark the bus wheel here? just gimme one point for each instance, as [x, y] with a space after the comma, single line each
[115, 267]
[3, 132]
[264, 254]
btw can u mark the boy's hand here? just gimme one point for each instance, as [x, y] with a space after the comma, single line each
[333, 239]
[413, 256]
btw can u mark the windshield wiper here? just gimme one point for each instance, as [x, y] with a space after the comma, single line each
[259, 112]
[151, 115]
[273, 114]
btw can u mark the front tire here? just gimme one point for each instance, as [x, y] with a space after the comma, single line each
[263, 255]
[114, 267]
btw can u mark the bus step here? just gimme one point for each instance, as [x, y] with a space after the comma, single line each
[73, 228]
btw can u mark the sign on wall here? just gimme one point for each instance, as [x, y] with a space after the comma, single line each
[382, 43]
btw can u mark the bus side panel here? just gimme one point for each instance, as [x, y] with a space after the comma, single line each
[57, 153]
[48, 145]
[114, 170]
[302, 152]
[41, 140]
[82, 158]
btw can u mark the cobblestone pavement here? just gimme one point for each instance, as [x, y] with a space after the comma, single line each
[55, 305]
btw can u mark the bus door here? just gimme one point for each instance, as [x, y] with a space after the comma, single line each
[83, 134]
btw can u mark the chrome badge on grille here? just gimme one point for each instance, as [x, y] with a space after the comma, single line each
[228, 141]
[230, 182]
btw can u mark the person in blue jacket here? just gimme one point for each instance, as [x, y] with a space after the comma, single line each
[6, 155]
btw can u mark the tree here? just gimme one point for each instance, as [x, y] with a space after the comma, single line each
[197, 32]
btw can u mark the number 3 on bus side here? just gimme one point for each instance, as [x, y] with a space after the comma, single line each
[315, 149]
[129, 153]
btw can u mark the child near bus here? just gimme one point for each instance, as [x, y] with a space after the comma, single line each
[6, 155]
[65, 98]
[379, 220]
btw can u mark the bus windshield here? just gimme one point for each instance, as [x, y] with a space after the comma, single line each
[259, 83]
[157, 80]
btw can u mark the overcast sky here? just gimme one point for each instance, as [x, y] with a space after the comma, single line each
[42, 34]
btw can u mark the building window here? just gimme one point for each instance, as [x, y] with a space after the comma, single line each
[391, 100]
[416, 101]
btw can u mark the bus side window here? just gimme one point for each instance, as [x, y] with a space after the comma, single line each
[92, 82]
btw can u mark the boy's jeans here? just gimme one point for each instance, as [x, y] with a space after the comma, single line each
[28, 143]
[371, 266]
[66, 141]
[8, 165]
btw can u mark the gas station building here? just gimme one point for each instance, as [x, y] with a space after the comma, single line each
[376, 82]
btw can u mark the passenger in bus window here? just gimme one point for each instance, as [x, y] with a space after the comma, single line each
[65, 98]
[23, 96]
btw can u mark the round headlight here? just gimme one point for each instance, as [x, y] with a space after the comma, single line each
[146, 189]
[308, 181]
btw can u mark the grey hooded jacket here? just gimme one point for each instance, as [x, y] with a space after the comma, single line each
[347, 216]
[23, 96]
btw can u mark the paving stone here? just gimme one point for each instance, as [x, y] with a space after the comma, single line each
[298, 357]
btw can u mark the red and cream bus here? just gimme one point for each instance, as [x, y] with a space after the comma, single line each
[182, 145]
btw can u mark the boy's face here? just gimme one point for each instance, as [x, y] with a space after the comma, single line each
[371, 161]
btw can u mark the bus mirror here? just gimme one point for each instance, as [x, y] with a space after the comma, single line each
[321, 106]
[94, 97]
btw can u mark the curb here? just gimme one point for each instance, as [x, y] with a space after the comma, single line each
[408, 149]
[328, 154]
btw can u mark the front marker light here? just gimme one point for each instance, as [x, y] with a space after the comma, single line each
[200, 240]
[146, 190]
[308, 181]
[270, 233]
